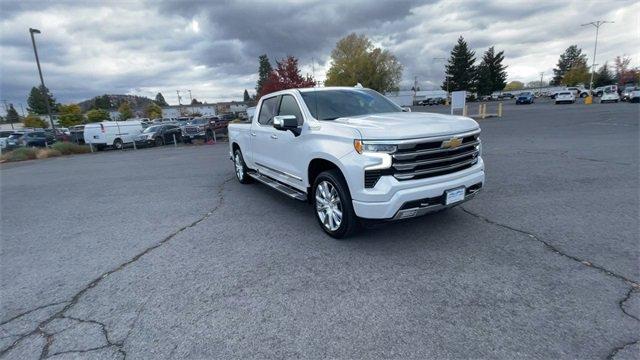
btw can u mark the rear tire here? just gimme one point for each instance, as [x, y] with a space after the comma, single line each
[240, 167]
[333, 206]
[159, 141]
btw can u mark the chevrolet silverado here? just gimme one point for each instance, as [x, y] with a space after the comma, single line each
[356, 155]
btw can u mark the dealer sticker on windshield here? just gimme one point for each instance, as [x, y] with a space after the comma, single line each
[455, 195]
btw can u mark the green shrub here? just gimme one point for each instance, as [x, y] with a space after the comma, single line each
[20, 154]
[67, 148]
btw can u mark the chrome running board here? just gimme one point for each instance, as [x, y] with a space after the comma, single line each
[275, 184]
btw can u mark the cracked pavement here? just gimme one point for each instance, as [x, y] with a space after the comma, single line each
[160, 253]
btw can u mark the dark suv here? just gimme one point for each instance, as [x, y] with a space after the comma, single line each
[158, 135]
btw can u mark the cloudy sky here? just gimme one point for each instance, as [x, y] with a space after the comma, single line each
[88, 48]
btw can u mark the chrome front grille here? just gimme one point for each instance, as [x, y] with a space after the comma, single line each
[444, 155]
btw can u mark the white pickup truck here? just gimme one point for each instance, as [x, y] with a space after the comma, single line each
[354, 155]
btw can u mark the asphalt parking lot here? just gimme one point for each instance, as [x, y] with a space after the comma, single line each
[161, 253]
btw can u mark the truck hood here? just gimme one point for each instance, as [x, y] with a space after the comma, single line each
[407, 125]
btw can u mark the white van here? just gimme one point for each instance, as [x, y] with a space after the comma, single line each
[112, 133]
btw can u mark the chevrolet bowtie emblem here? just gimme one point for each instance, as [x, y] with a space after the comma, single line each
[452, 143]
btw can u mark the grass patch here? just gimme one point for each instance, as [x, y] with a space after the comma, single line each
[20, 154]
[68, 148]
[47, 153]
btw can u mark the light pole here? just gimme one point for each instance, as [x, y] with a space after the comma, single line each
[44, 89]
[446, 101]
[540, 84]
[597, 25]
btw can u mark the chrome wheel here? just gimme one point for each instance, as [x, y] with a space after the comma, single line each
[239, 166]
[328, 206]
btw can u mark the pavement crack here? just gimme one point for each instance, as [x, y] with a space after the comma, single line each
[633, 284]
[616, 350]
[4, 322]
[627, 297]
[551, 247]
[75, 298]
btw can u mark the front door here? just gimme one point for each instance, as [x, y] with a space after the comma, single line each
[287, 145]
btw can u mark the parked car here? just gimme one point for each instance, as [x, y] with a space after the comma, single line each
[579, 91]
[114, 134]
[15, 140]
[524, 98]
[565, 97]
[354, 154]
[609, 95]
[158, 135]
[29, 139]
[4, 135]
[635, 96]
[598, 91]
[507, 96]
[626, 93]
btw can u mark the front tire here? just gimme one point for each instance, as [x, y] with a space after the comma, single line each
[159, 141]
[333, 206]
[240, 167]
[117, 144]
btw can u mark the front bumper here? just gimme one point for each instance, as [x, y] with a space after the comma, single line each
[422, 199]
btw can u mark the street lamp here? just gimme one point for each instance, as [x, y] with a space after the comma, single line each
[44, 89]
[597, 25]
[446, 101]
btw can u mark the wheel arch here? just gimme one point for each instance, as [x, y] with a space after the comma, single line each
[316, 166]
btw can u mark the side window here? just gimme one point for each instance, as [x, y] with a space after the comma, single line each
[289, 106]
[268, 110]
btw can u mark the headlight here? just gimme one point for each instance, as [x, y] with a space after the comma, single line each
[363, 146]
[479, 147]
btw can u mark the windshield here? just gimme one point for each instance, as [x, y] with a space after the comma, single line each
[333, 104]
[152, 129]
[525, 94]
[199, 121]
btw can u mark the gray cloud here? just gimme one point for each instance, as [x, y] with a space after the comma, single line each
[92, 48]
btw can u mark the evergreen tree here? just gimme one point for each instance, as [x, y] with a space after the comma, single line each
[246, 97]
[491, 74]
[603, 76]
[572, 57]
[102, 102]
[460, 68]
[12, 115]
[125, 111]
[264, 69]
[160, 101]
[36, 103]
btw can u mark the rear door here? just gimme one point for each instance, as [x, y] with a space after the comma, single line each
[262, 132]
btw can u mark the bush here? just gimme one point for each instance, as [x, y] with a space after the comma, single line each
[47, 153]
[68, 148]
[20, 154]
[33, 121]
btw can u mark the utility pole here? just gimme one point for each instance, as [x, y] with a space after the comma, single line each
[22, 109]
[6, 110]
[179, 103]
[44, 89]
[190, 103]
[597, 25]
[540, 84]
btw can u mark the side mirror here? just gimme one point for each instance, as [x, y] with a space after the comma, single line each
[285, 122]
[406, 109]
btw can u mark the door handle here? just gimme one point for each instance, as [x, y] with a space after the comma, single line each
[274, 136]
[253, 134]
